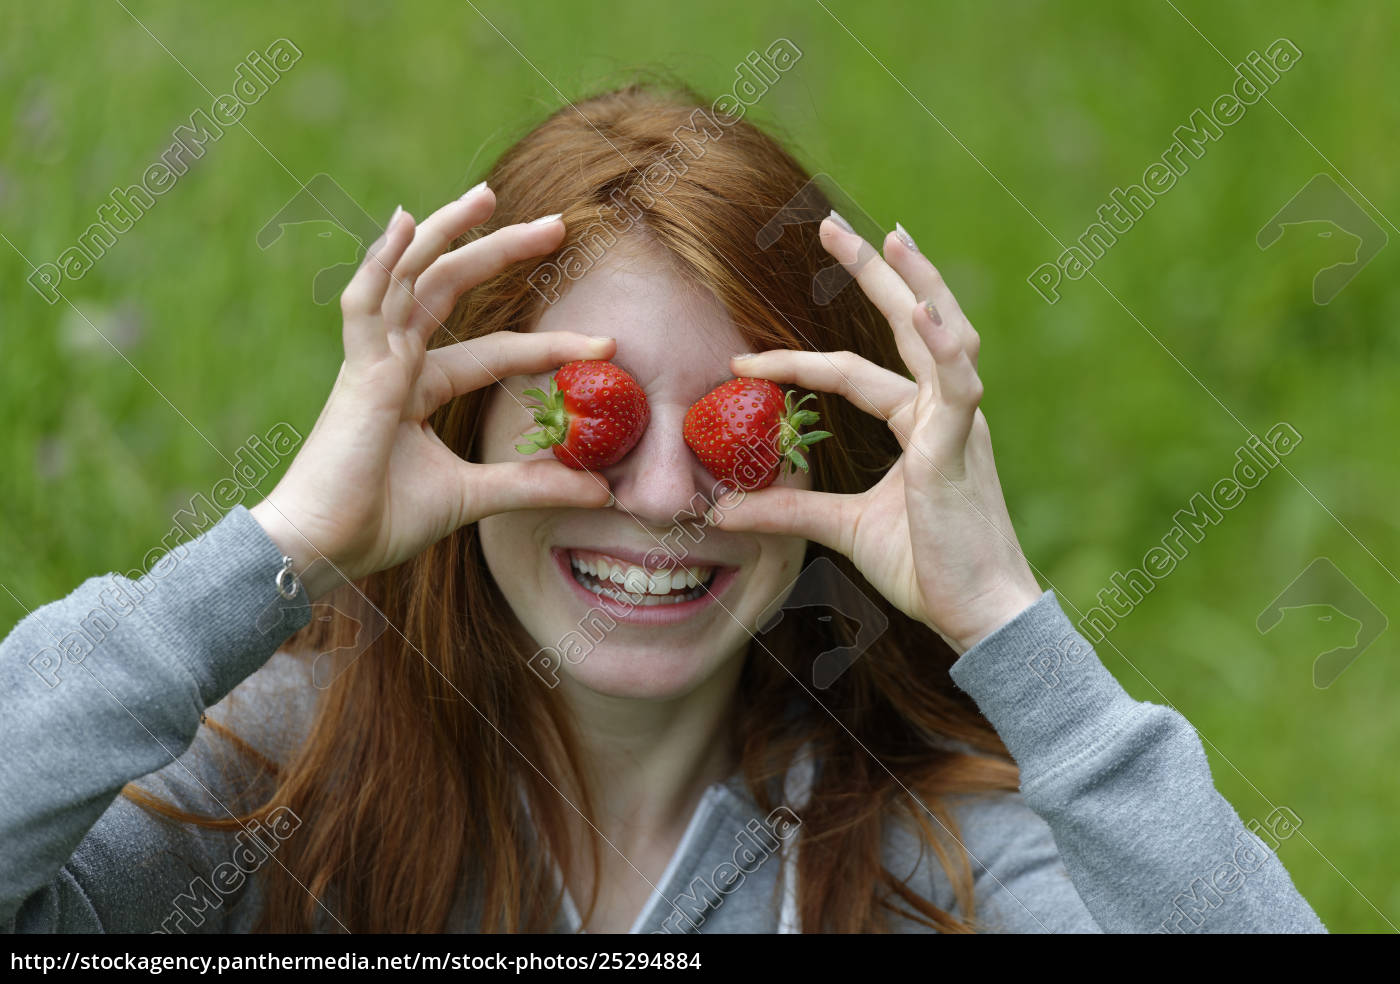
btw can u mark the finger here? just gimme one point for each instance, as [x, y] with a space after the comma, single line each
[452, 370]
[871, 388]
[959, 387]
[818, 516]
[363, 334]
[466, 266]
[927, 283]
[543, 484]
[434, 234]
[885, 288]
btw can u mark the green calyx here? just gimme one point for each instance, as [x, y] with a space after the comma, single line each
[550, 415]
[791, 440]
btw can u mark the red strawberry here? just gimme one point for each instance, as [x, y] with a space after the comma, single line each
[744, 429]
[592, 415]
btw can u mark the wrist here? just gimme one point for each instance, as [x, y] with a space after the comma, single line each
[316, 574]
[994, 611]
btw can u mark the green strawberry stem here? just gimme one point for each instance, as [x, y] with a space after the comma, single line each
[791, 440]
[550, 415]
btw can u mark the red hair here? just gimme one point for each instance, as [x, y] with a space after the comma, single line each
[407, 785]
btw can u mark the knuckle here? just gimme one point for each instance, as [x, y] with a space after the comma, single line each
[505, 336]
[506, 243]
[845, 361]
[945, 347]
[436, 245]
[402, 273]
[354, 300]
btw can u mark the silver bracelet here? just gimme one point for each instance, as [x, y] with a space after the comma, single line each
[288, 584]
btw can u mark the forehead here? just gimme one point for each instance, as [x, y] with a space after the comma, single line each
[667, 329]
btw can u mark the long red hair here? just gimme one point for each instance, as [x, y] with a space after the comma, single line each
[408, 783]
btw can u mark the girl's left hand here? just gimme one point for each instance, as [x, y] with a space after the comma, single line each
[933, 535]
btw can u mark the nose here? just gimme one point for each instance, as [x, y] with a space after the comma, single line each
[659, 479]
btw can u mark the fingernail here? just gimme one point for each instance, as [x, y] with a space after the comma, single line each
[473, 189]
[546, 219]
[397, 209]
[743, 355]
[836, 217]
[601, 338]
[612, 501]
[903, 236]
[933, 314]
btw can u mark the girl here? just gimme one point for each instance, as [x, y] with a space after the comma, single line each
[440, 749]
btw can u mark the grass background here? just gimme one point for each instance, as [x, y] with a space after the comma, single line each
[987, 129]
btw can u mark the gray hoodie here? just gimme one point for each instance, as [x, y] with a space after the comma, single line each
[1117, 826]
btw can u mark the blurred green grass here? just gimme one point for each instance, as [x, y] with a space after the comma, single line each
[1102, 430]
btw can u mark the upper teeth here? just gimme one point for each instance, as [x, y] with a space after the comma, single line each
[636, 580]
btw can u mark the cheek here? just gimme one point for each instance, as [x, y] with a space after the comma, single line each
[495, 548]
[780, 563]
[507, 543]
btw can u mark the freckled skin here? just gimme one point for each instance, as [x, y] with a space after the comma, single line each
[676, 341]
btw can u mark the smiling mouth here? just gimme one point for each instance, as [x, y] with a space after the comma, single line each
[618, 580]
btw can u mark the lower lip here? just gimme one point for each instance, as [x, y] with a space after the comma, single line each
[667, 614]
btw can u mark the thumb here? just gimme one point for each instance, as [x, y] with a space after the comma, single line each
[544, 484]
[819, 516]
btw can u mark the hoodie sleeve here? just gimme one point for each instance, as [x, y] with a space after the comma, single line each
[1122, 792]
[107, 686]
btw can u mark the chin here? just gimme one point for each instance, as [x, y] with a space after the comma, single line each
[641, 672]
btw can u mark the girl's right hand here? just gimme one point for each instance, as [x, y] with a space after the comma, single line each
[373, 485]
